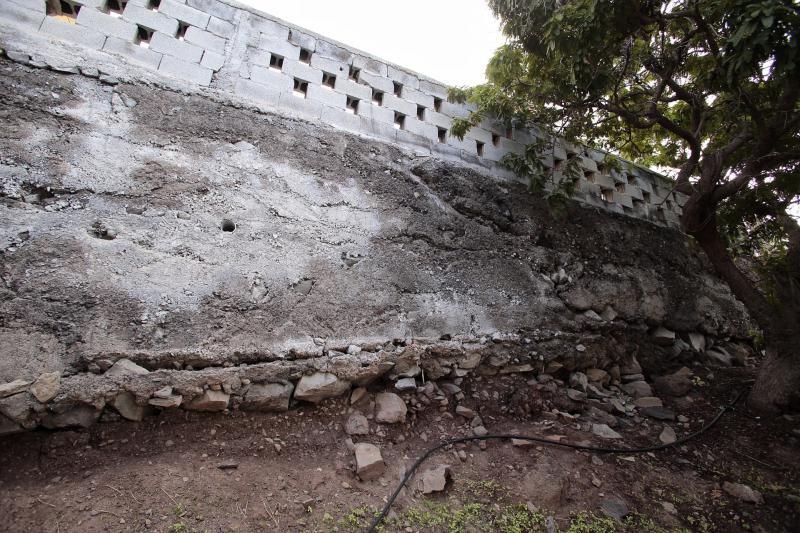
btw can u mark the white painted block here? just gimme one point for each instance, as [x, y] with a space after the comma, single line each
[214, 7]
[331, 66]
[326, 96]
[376, 82]
[176, 48]
[304, 107]
[191, 72]
[205, 39]
[278, 47]
[406, 78]
[212, 60]
[302, 71]
[152, 20]
[132, 51]
[351, 88]
[480, 134]
[398, 104]
[22, 16]
[303, 40]
[433, 89]
[454, 110]
[184, 13]
[344, 120]
[220, 27]
[371, 66]
[98, 21]
[72, 32]
[251, 90]
[97, 4]
[332, 51]
[273, 79]
[438, 119]
[270, 28]
[429, 131]
[37, 6]
[418, 97]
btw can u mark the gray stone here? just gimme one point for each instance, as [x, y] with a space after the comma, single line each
[268, 397]
[596, 375]
[648, 401]
[170, 402]
[80, 415]
[579, 380]
[357, 424]
[125, 404]
[390, 408]
[663, 337]
[357, 395]
[46, 386]
[609, 314]
[369, 463]
[126, 367]
[698, 342]
[18, 408]
[435, 479]
[405, 384]
[13, 387]
[8, 427]
[320, 386]
[605, 432]
[667, 435]
[576, 395]
[638, 389]
[480, 431]
[677, 384]
[743, 492]
[164, 392]
[464, 411]
[631, 367]
[659, 413]
[614, 507]
[719, 356]
[210, 400]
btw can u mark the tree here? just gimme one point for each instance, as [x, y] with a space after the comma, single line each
[708, 88]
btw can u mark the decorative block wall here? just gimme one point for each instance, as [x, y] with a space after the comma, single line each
[232, 48]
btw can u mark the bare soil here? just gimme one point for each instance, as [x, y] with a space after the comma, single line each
[294, 471]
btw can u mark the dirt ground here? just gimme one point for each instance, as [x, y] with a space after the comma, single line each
[294, 471]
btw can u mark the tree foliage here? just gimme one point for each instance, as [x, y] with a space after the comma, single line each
[707, 88]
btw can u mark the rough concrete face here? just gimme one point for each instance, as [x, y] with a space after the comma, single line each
[189, 234]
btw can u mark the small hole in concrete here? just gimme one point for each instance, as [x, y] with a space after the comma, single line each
[352, 105]
[377, 97]
[442, 134]
[399, 121]
[63, 8]
[354, 73]
[143, 36]
[398, 89]
[420, 112]
[607, 195]
[275, 62]
[328, 80]
[479, 148]
[620, 187]
[437, 104]
[589, 175]
[154, 4]
[646, 196]
[495, 139]
[300, 88]
[182, 27]
[305, 56]
[631, 179]
[116, 7]
[228, 225]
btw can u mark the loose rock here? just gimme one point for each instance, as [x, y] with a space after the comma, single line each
[357, 424]
[14, 387]
[369, 463]
[743, 492]
[435, 479]
[667, 435]
[125, 403]
[605, 432]
[390, 408]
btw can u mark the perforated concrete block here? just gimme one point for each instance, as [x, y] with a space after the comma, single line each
[406, 78]
[191, 72]
[332, 51]
[623, 199]
[438, 119]
[327, 96]
[212, 60]
[453, 110]
[331, 66]
[398, 104]
[588, 163]
[258, 92]
[72, 32]
[176, 48]
[302, 40]
[351, 88]
[205, 39]
[509, 145]
[378, 113]
[277, 81]
[184, 13]
[37, 6]
[418, 127]
[382, 130]
[279, 47]
[304, 107]
[434, 89]
[421, 144]
[214, 7]
[418, 97]
[480, 134]
[270, 28]
[302, 71]
[98, 21]
[376, 82]
[134, 52]
[342, 119]
[220, 27]
[634, 192]
[152, 20]
[22, 16]
[371, 66]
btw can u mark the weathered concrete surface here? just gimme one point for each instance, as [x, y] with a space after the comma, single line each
[112, 209]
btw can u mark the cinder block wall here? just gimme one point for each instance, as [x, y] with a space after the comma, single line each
[222, 45]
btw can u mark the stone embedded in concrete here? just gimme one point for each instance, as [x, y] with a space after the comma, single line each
[46, 386]
[205, 39]
[104, 23]
[126, 367]
[71, 32]
[171, 46]
[184, 13]
[369, 462]
[663, 336]
[79, 415]
[210, 400]
[169, 402]
[141, 55]
[191, 72]
[152, 20]
[267, 397]
[320, 386]
[390, 408]
[125, 404]
[13, 387]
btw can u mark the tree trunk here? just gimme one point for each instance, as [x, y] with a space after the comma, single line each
[778, 383]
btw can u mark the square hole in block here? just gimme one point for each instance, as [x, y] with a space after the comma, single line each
[154, 4]
[620, 187]
[352, 105]
[63, 9]
[630, 178]
[398, 89]
[601, 168]
[305, 56]
[495, 139]
[182, 27]
[275, 62]
[509, 132]
[479, 148]
[589, 175]
[399, 121]
[638, 204]
[442, 134]
[668, 205]
[607, 195]
[300, 88]
[437, 104]
[377, 97]
[328, 80]
[354, 73]
[115, 7]
[557, 164]
[420, 112]
[646, 196]
[143, 36]
[571, 155]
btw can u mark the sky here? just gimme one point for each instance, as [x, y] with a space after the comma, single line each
[448, 40]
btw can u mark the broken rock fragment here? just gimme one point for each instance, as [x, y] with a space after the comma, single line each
[46, 386]
[210, 400]
[319, 386]
[268, 397]
[435, 479]
[369, 462]
[390, 408]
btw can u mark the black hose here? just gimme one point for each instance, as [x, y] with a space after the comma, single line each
[599, 449]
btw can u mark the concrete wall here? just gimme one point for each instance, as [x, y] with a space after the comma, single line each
[222, 45]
